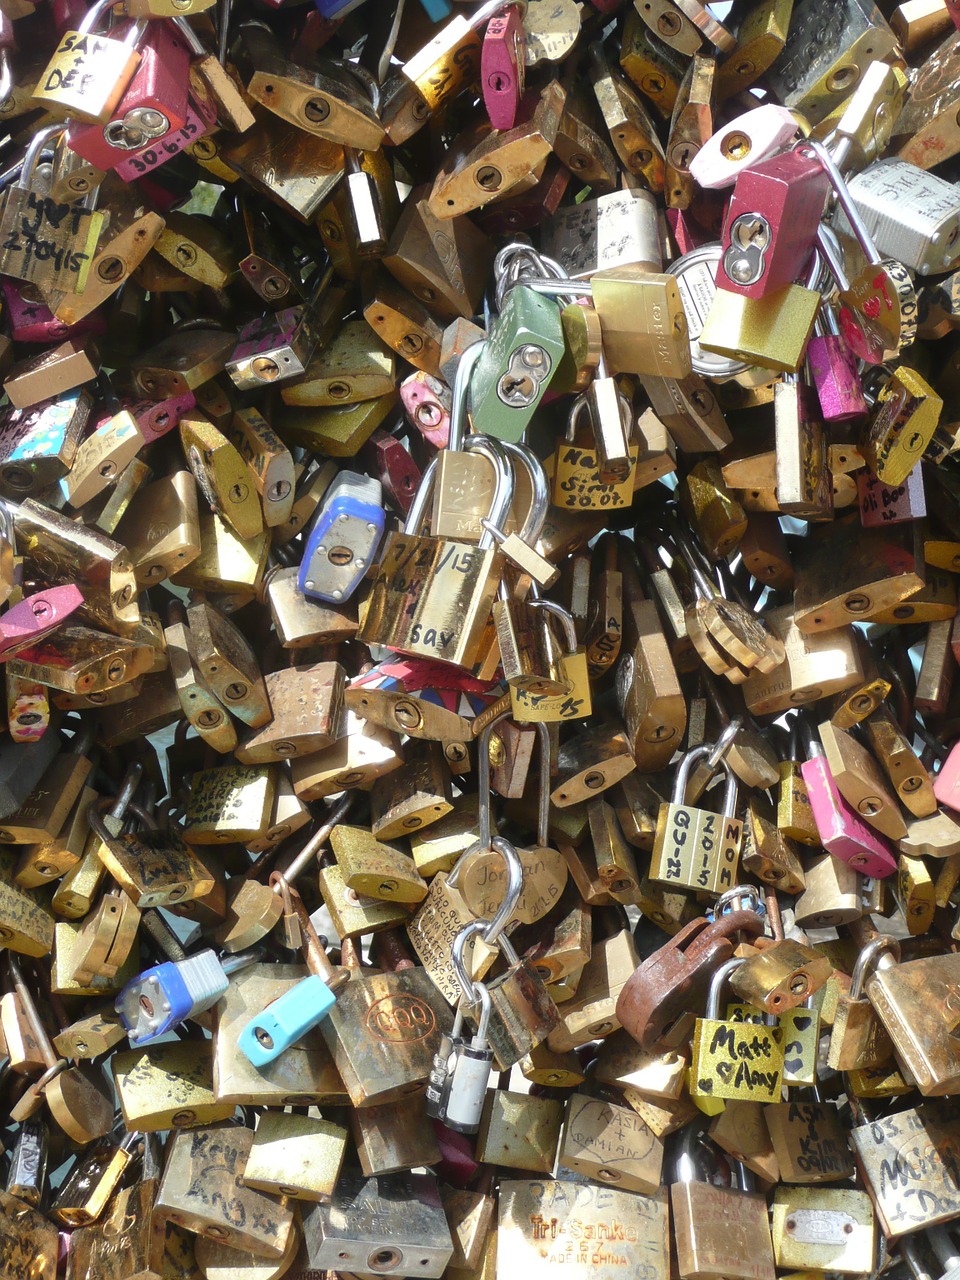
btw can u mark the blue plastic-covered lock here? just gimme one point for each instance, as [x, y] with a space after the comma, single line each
[286, 1020]
[343, 539]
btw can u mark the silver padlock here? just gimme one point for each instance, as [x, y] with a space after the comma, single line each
[912, 215]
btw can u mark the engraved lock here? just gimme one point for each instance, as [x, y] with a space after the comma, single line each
[915, 214]
[47, 242]
[878, 308]
[413, 614]
[704, 1217]
[89, 73]
[344, 538]
[695, 849]
[222, 475]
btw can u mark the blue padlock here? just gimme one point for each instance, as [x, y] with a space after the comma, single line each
[286, 1020]
[343, 539]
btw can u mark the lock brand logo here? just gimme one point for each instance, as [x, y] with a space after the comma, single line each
[400, 1018]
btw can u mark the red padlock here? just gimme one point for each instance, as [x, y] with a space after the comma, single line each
[153, 108]
[771, 225]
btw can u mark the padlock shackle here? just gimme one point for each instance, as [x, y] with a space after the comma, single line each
[504, 914]
[493, 7]
[316, 842]
[683, 772]
[418, 507]
[847, 202]
[734, 900]
[471, 930]
[829, 246]
[540, 501]
[718, 982]
[566, 620]
[869, 959]
[460, 393]
[32, 154]
[495, 454]
[6, 76]
[486, 1009]
[543, 798]
[521, 264]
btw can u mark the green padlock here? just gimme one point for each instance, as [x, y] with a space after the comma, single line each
[519, 360]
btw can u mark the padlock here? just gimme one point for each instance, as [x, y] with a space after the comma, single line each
[804, 479]
[908, 410]
[676, 976]
[46, 242]
[919, 1025]
[389, 620]
[841, 830]
[690, 125]
[740, 327]
[461, 1070]
[878, 308]
[833, 371]
[89, 73]
[915, 214]
[718, 1226]
[228, 1210]
[351, 516]
[633, 134]
[745, 142]
[476, 172]
[331, 105]
[617, 230]
[771, 224]
[515, 365]
[733, 1060]
[153, 105]
[695, 849]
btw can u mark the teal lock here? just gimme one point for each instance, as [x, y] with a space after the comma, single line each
[517, 364]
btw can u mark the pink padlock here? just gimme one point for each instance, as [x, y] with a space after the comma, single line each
[502, 68]
[880, 504]
[842, 831]
[194, 127]
[427, 403]
[153, 107]
[946, 784]
[31, 320]
[772, 223]
[834, 371]
[742, 144]
[155, 418]
[953, 8]
[36, 616]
